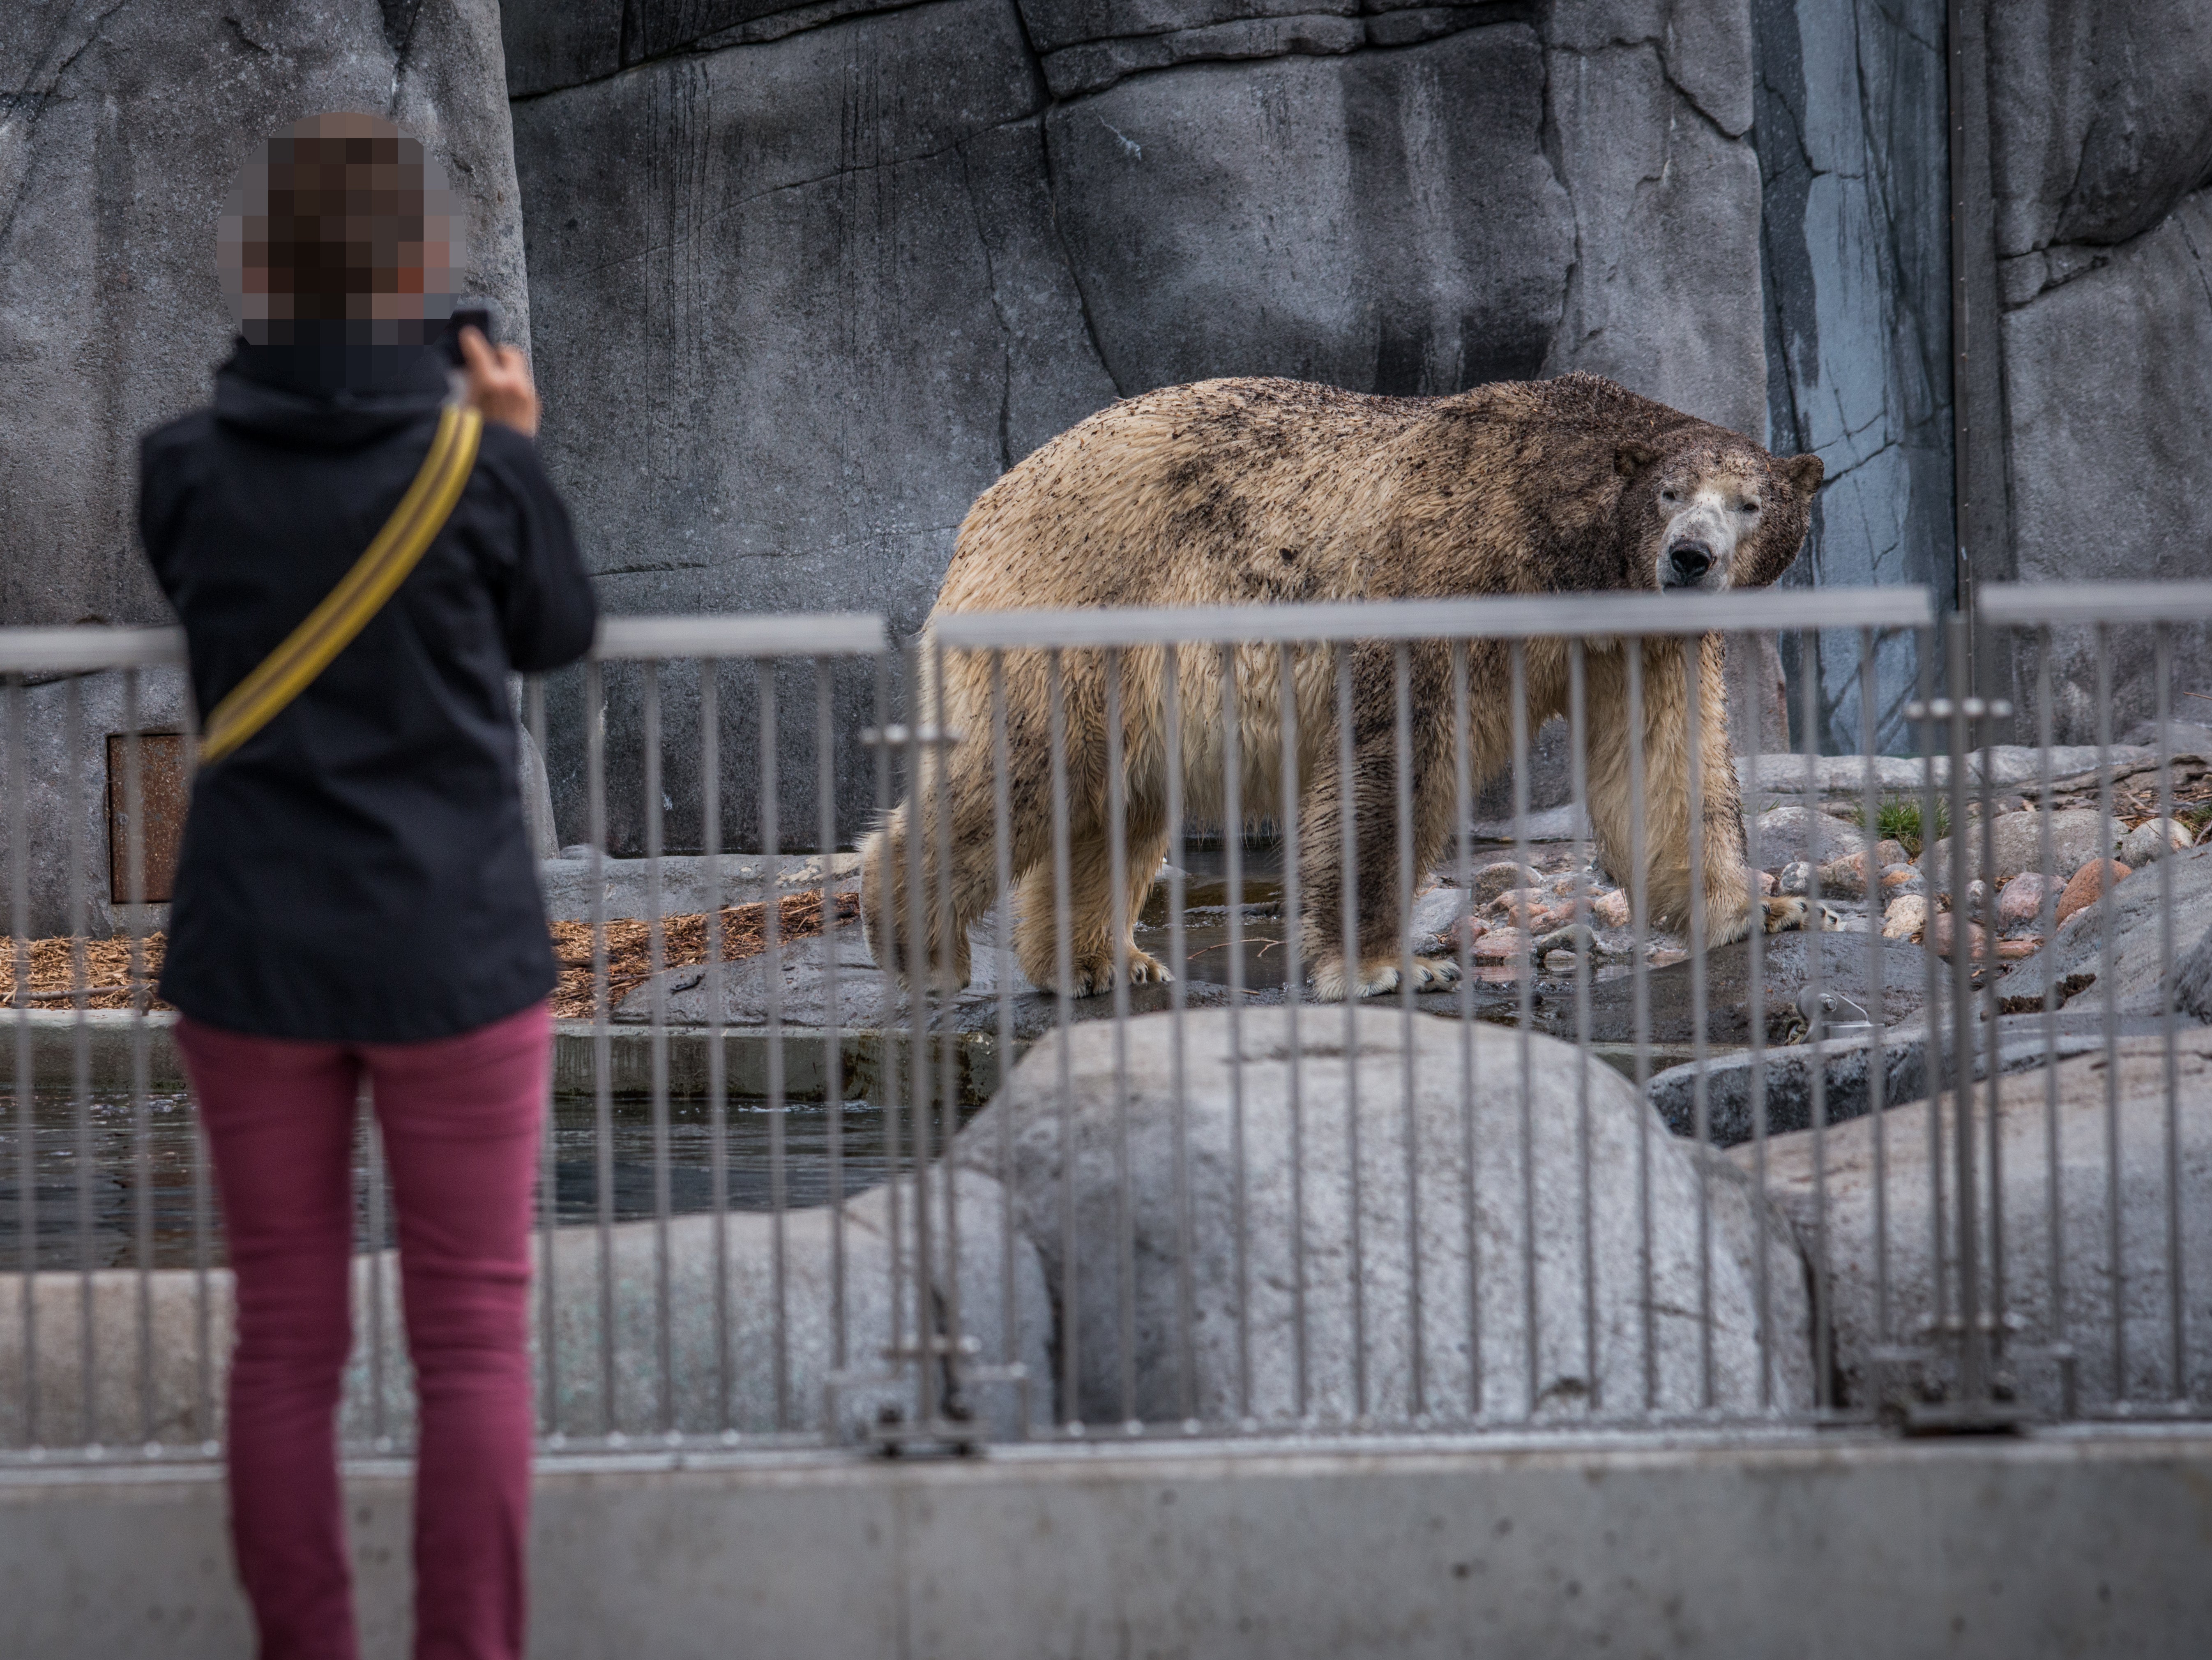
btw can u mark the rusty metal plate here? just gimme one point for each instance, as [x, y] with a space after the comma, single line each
[163, 796]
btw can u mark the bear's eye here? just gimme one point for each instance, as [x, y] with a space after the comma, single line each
[1750, 506]
[1668, 495]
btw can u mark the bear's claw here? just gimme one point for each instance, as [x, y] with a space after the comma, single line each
[1380, 975]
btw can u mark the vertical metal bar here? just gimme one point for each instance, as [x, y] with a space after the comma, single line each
[1578, 807]
[603, 1116]
[1816, 967]
[1117, 878]
[1463, 836]
[1002, 849]
[888, 954]
[141, 1170]
[1178, 969]
[833, 1053]
[78, 809]
[771, 830]
[1877, 1065]
[1063, 990]
[2109, 995]
[923, 955]
[1232, 834]
[945, 1305]
[549, 1177]
[718, 1069]
[26, 1123]
[1942, 1039]
[1755, 956]
[1984, 963]
[1693, 696]
[1354, 975]
[371, 1158]
[2177, 1357]
[1402, 738]
[1287, 816]
[656, 949]
[2048, 921]
[1972, 1373]
[1517, 655]
[1639, 971]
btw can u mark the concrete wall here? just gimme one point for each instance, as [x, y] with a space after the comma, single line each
[1819, 1549]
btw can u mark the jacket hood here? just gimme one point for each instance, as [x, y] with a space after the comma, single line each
[310, 398]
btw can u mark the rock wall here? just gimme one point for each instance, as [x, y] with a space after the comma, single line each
[1853, 153]
[121, 127]
[2100, 143]
[805, 280]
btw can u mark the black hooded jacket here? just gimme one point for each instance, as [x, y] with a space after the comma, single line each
[359, 869]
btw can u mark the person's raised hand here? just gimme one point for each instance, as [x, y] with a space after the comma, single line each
[500, 386]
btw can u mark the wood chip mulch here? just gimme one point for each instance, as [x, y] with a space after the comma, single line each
[629, 962]
[110, 984]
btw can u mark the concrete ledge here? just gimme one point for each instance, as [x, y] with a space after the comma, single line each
[2070, 1543]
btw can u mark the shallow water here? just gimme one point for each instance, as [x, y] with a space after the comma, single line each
[115, 1204]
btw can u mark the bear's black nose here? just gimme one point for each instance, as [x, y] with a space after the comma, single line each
[1690, 560]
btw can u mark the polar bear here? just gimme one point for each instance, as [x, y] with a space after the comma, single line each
[1252, 491]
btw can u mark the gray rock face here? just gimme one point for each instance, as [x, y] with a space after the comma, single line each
[828, 1316]
[2101, 140]
[127, 123]
[1853, 155]
[2115, 1315]
[889, 250]
[1345, 239]
[1316, 1317]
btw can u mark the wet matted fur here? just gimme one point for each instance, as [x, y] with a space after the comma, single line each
[1264, 491]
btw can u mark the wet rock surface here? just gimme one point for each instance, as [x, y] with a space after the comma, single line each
[1788, 965]
[1282, 1341]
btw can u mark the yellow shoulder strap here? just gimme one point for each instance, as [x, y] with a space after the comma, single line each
[329, 629]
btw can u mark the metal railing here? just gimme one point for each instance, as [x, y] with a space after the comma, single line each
[1046, 1113]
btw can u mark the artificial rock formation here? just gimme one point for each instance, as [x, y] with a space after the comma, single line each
[121, 128]
[857, 258]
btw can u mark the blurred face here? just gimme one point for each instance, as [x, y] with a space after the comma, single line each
[341, 219]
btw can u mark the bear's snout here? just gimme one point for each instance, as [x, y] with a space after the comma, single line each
[1687, 562]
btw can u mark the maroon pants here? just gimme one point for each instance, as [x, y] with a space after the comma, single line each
[461, 1119]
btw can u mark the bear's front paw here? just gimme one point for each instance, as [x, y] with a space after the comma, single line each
[1791, 915]
[1094, 976]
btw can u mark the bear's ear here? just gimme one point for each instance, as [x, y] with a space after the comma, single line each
[1630, 454]
[1802, 473]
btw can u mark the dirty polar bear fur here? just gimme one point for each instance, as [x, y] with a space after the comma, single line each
[1252, 491]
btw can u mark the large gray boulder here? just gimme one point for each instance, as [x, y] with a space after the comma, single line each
[127, 125]
[2115, 1317]
[1247, 1226]
[844, 1297]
